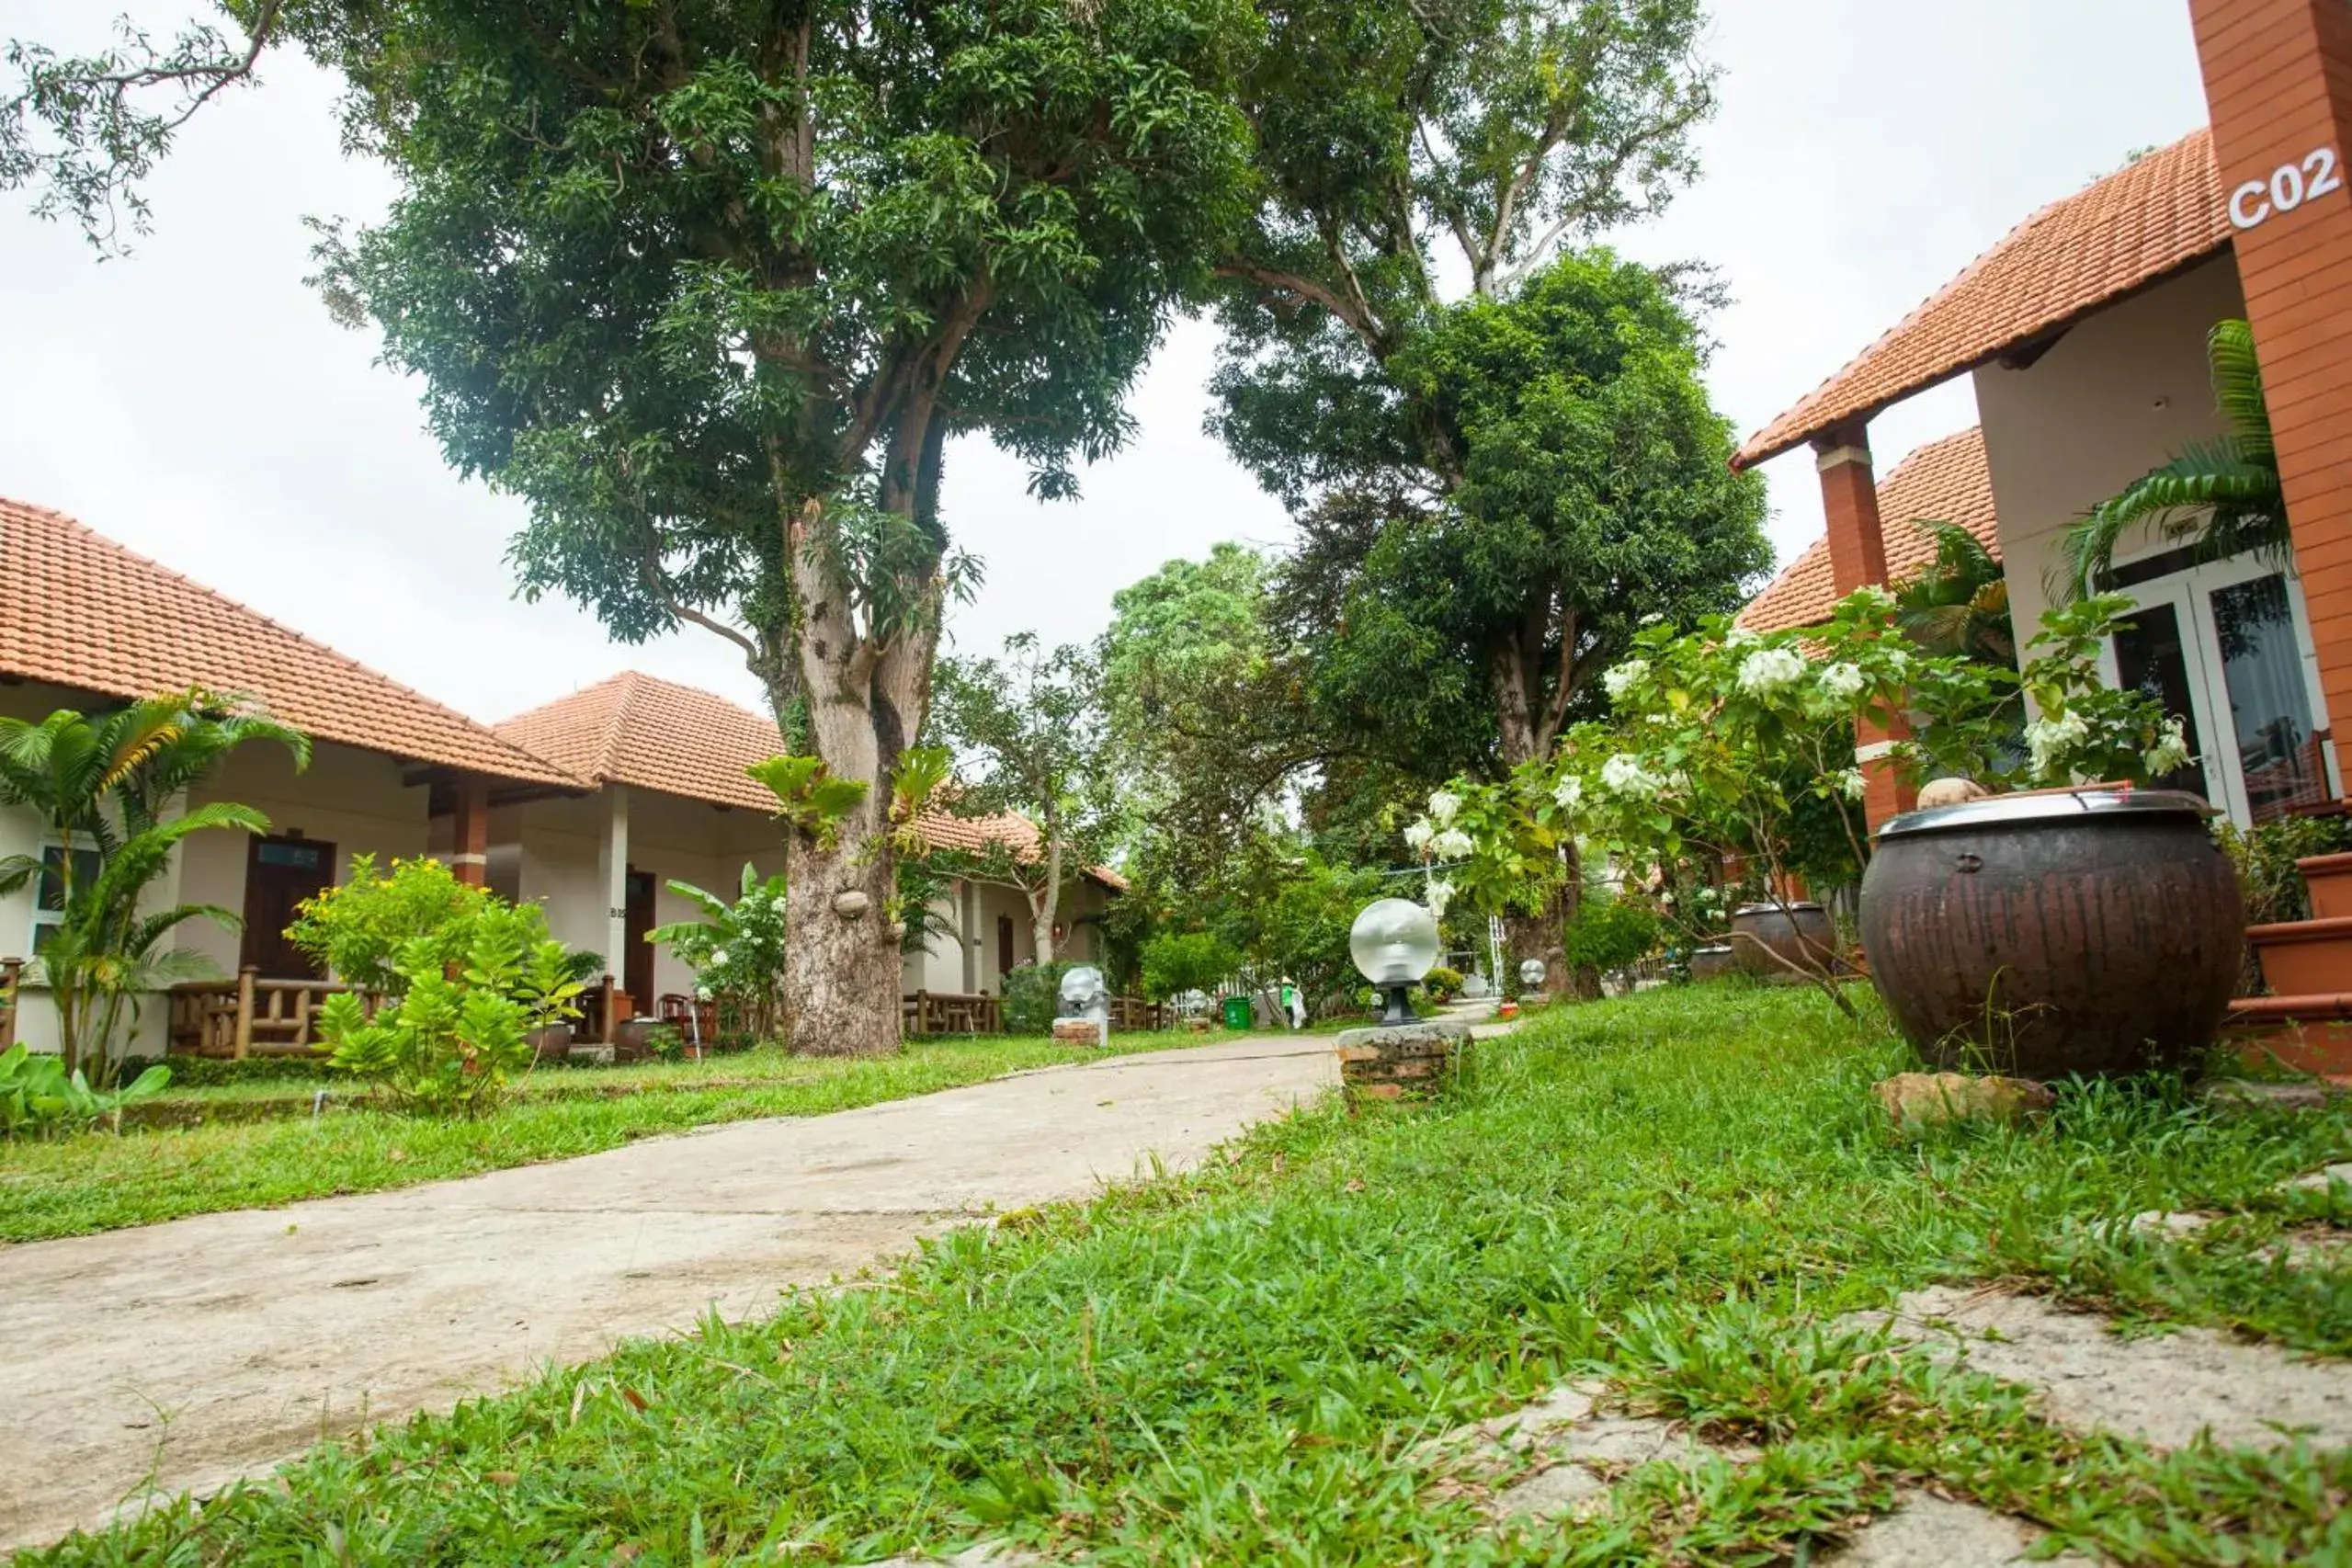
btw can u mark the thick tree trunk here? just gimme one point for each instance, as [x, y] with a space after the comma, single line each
[866, 700]
[842, 972]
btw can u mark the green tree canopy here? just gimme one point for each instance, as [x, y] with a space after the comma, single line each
[1030, 736]
[710, 284]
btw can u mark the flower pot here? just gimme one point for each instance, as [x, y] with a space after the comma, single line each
[1714, 960]
[633, 1039]
[2329, 880]
[2089, 931]
[1768, 940]
[551, 1043]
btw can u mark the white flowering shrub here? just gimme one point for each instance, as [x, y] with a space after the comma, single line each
[1727, 744]
[737, 953]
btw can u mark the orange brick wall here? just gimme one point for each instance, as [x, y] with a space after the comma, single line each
[2278, 83]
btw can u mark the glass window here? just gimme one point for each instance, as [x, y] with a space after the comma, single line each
[2151, 658]
[2270, 715]
[49, 894]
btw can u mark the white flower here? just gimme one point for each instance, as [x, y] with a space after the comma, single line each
[1620, 677]
[2170, 752]
[1418, 834]
[2051, 739]
[1567, 792]
[1453, 845]
[1741, 637]
[1769, 670]
[1852, 785]
[1444, 806]
[1842, 682]
[1440, 894]
[1624, 774]
[718, 957]
[1649, 620]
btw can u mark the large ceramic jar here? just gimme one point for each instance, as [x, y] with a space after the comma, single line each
[2082, 931]
[1770, 941]
[1711, 960]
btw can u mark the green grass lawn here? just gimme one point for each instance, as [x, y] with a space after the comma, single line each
[101, 1180]
[1678, 1191]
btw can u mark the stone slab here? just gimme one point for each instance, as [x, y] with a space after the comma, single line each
[1927, 1532]
[2164, 1390]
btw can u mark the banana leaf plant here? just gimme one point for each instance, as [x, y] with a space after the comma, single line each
[106, 788]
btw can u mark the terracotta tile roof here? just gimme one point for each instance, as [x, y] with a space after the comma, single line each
[79, 610]
[2140, 224]
[656, 734]
[1943, 481]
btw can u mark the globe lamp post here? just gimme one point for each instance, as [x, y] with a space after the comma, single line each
[1394, 944]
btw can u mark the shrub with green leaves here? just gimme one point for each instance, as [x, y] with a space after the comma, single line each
[1443, 984]
[38, 1095]
[456, 1031]
[737, 953]
[1611, 933]
[365, 930]
[1176, 963]
[1032, 995]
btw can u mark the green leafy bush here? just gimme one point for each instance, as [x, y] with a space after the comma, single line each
[1190, 961]
[365, 930]
[1443, 984]
[206, 1072]
[737, 953]
[1611, 933]
[2265, 856]
[446, 1045]
[37, 1096]
[1032, 992]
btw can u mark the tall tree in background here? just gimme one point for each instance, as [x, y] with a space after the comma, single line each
[710, 283]
[1477, 533]
[1030, 736]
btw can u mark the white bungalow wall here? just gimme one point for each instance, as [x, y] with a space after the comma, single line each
[2120, 394]
[548, 852]
[971, 960]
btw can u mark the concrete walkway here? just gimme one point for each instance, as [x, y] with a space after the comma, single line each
[179, 1356]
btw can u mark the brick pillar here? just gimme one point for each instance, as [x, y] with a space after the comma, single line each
[1857, 558]
[469, 832]
[2278, 84]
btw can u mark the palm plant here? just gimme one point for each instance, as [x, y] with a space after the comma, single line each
[1959, 603]
[102, 787]
[2221, 496]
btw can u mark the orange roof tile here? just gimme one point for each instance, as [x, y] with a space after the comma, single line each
[79, 610]
[2139, 224]
[656, 734]
[1943, 481]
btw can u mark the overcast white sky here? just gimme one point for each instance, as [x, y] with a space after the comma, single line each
[195, 403]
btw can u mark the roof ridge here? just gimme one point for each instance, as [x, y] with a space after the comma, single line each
[115, 547]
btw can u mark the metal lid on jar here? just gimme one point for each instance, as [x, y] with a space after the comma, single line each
[2046, 806]
[1797, 907]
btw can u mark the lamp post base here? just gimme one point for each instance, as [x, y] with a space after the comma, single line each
[1398, 1061]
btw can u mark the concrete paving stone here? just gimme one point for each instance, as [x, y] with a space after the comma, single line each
[2321, 1180]
[2164, 1390]
[1927, 1532]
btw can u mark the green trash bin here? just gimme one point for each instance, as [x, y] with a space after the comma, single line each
[1237, 1012]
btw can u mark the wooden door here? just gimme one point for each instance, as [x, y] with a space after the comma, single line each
[1003, 948]
[637, 964]
[279, 874]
